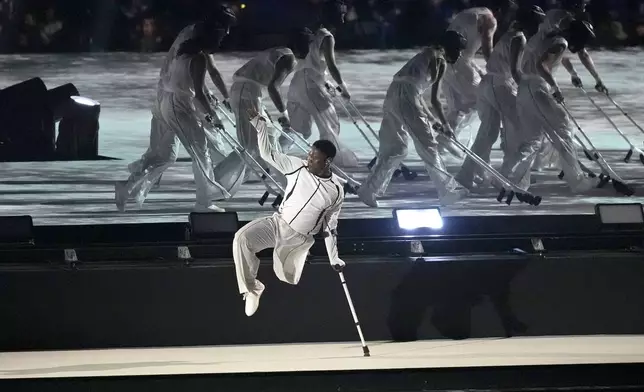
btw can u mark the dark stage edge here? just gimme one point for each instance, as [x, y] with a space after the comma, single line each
[571, 378]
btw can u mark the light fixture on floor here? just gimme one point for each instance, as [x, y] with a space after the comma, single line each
[418, 218]
[78, 129]
[620, 215]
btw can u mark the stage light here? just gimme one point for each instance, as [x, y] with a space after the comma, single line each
[59, 100]
[29, 113]
[242, 6]
[620, 214]
[212, 224]
[78, 129]
[84, 101]
[28, 131]
[417, 218]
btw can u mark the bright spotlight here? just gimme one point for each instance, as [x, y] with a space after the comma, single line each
[620, 214]
[84, 101]
[417, 218]
[242, 6]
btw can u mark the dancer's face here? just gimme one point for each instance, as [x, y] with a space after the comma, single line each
[317, 162]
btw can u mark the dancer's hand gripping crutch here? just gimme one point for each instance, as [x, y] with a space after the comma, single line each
[334, 91]
[351, 185]
[330, 234]
[608, 172]
[248, 158]
[632, 149]
[508, 187]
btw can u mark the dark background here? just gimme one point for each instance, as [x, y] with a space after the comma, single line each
[35, 26]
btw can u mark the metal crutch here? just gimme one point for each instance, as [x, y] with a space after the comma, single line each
[245, 155]
[624, 113]
[350, 186]
[522, 195]
[407, 173]
[618, 183]
[633, 149]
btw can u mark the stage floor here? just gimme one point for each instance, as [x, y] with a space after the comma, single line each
[434, 354]
[62, 193]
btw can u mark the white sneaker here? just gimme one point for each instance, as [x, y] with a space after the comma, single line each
[367, 197]
[207, 208]
[252, 301]
[120, 195]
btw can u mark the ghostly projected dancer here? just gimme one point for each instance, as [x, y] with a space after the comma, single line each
[308, 99]
[405, 112]
[182, 103]
[266, 71]
[539, 109]
[497, 94]
[558, 18]
[314, 197]
[462, 78]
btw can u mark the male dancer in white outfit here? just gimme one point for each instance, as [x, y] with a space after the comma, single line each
[558, 18]
[497, 94]
[266, 71]
[312, 202]
[308, 98]
[405, 112]
[462, 78]
[539, 109]
[182, 103]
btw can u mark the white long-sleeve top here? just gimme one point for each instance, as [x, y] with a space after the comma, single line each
[310, 202]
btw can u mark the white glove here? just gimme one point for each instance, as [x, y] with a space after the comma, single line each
[338, 264]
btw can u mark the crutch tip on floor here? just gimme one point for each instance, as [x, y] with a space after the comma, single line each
[263, 199]
[623, 188]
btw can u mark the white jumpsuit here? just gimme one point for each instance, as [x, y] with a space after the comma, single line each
[548, 156]
[175, 117]
[308, 101]
[540, 116]
[403, 115]
[463, 77]
[496, 105]
[311, 204]
[246, 94]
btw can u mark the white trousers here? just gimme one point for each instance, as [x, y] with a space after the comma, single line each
[289, 254]
[403, 116]
[496, 106]
[460, 87]
[309, 101]
[541, 116]
[174, 118]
